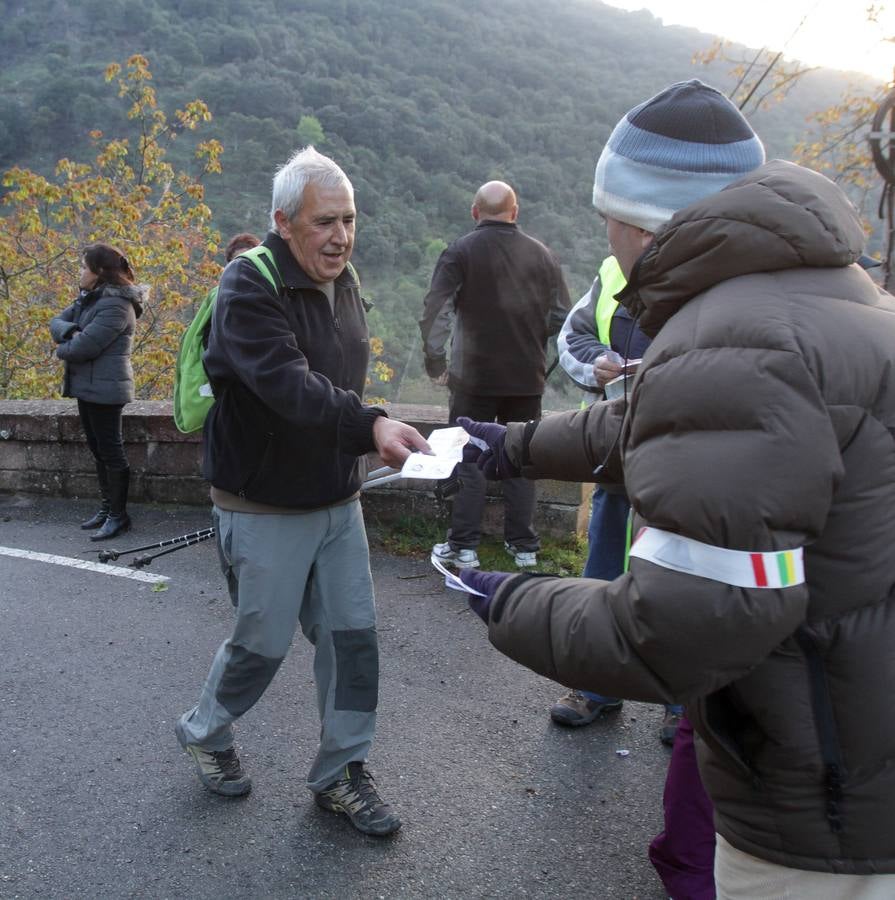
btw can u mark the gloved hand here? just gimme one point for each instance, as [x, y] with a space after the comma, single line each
[486, 583]
[493, 462]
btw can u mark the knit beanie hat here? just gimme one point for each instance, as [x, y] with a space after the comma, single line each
[687, 142]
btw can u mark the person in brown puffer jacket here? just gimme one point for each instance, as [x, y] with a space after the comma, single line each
[756, 445]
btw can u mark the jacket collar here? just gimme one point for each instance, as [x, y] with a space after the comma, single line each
[137, 294]
[495, 223]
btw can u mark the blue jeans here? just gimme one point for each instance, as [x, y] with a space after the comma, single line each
[606, 538]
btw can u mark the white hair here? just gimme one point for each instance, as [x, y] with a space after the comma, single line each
[305, 167]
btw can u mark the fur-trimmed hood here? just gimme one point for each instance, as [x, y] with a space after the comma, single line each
[138, 294]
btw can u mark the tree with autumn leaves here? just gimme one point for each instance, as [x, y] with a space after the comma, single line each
[838, 147]
[129, 196]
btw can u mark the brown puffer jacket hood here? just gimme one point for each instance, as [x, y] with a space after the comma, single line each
[782, 215]
[762, 419]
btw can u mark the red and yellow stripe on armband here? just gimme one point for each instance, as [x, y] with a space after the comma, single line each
[743, 568]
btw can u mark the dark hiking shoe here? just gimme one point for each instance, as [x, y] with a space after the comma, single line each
[575, 709]
[668, 731]
[355, 795]
[219, 770]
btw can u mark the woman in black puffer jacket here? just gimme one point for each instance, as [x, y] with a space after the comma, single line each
[94, 337]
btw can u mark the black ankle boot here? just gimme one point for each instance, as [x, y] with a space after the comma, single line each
[117, 521]
[112, 526]
[98, 518]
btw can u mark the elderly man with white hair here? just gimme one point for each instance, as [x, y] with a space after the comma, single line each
[284, 443]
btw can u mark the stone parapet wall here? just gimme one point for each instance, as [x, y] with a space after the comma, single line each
[43, 451]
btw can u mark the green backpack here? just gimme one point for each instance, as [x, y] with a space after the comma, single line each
[192, 392]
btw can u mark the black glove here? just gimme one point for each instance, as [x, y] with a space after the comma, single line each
[485, 583]
[493, 461]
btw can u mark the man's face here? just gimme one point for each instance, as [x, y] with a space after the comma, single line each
[321, 236]
[627, 243]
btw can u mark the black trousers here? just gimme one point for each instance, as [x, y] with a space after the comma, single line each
[518, 493]
[102, 428]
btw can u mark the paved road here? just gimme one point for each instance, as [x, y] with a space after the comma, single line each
[97, 800]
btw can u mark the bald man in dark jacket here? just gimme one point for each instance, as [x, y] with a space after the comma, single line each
[509, 296]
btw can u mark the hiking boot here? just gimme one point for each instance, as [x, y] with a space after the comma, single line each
[465, 558]
[355, 795]
[522, 558]
[575, 709]
[668, 729]
[219, 770]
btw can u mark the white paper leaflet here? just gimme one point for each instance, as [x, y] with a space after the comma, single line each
[452, 581]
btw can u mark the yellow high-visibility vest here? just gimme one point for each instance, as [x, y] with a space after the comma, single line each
[612, 282]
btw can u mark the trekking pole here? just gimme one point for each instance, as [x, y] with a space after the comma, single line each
[187, 540]
[384, 479]
[382, 475]
[191, 539]
[112, 555]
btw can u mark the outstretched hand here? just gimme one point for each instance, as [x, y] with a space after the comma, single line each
[492, 459]
[485, 583]
[395, 441]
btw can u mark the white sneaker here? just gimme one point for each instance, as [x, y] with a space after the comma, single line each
[522, 558]
[466, 558]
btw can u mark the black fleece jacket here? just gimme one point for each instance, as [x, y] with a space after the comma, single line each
[288, 425]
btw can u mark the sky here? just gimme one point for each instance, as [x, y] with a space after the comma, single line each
[835, 33]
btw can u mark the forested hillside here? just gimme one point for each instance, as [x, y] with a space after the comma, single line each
[419, 100]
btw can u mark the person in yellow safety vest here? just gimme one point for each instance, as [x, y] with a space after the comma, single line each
[596, 338]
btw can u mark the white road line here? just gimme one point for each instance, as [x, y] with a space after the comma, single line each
[104, 569]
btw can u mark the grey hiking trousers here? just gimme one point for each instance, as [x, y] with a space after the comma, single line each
[309, 568]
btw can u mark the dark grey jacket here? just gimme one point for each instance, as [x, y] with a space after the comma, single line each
[94, 336]
[509, 295]
[762, 418]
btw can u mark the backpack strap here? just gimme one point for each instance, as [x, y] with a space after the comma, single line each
[266, 265]
[264, 262]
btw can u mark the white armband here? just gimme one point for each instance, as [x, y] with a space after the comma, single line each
[777, 569]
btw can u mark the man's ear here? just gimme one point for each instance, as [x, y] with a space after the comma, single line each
[646, 238]
[282, 222]
[474, 212]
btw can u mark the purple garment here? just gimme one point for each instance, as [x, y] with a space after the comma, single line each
[684, 853]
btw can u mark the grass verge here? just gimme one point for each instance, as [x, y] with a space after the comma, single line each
[414, 536]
